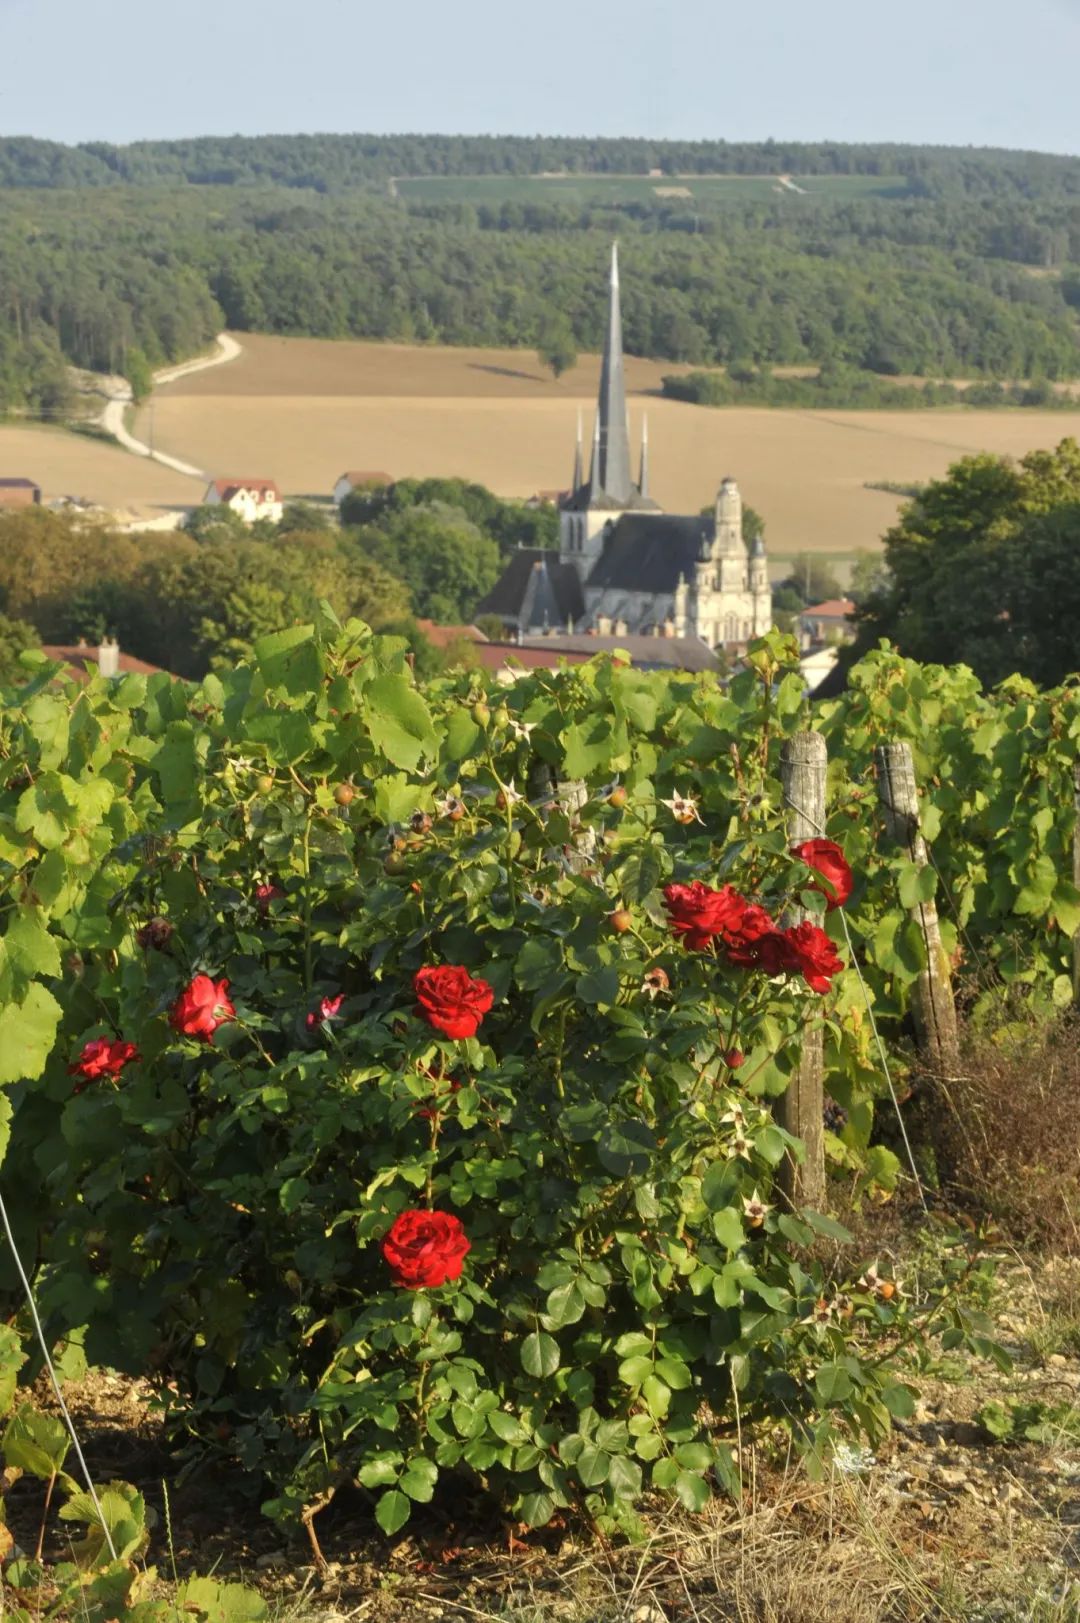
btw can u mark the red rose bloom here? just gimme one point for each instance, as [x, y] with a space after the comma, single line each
[425, 1248]
[450, 1000]
[327, 1010]
[812, 955]
[698, 913]
[264, 895]
[743, 938]
[102, 1056]
[827, 859]
[201, 1008]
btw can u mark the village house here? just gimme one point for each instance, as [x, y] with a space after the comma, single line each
[826, 623]
[19, 493]
[250, 499]
[360, 479]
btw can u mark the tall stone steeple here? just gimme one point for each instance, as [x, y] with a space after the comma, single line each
[643, 477]
[578, 466]
[610, 474]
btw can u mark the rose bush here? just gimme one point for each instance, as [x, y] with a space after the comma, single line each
[248, 1215]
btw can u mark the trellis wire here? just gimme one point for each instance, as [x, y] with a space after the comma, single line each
[52, 1376]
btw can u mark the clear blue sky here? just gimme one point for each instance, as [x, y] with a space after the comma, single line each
[986, 72]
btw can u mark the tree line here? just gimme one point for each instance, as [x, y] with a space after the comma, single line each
[126, 273]
[335, 162]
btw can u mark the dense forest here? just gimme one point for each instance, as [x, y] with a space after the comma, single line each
[112, 258]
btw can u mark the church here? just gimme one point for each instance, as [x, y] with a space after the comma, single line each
[624, 566]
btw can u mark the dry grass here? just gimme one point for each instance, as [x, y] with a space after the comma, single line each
[303, 410]
[1009, 1141]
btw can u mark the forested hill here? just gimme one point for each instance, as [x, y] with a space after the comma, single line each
[334, 162]
[933, 261]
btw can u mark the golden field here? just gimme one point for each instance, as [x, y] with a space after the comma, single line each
[302, 411]
[66, 464]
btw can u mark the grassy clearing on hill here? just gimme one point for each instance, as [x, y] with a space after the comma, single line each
[580, 190]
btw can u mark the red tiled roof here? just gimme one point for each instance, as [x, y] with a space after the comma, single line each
[83, 662]
[443, 636]
[494, 655]
[228, 487]
[834, 608]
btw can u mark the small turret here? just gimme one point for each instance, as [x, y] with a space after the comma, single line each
[729, 517]
[579, 470]
[681, 603]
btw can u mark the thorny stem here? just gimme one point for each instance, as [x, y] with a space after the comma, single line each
[308, 968]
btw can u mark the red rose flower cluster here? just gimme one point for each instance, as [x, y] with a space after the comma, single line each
[425, 1249]
[201, 1008]
[449, 999]
[102, 1056]
[748, 936]
[827, 859]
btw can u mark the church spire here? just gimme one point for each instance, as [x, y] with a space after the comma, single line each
[578, 468]
[611, 472]
[643, 481]
[595, 483]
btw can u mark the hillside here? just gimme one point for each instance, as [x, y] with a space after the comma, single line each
[893, 260]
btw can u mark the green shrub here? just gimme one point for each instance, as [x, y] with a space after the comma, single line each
[315, 827]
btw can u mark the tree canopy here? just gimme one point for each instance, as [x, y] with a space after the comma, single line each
[984, 569]
[120, 259]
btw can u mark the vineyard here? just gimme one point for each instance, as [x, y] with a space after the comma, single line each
[395, 1074]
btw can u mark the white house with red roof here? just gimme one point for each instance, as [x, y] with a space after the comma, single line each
[248, 498]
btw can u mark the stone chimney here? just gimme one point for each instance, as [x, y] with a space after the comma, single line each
[603, 625]
[621, 628]
[669, 627]
[108, 657]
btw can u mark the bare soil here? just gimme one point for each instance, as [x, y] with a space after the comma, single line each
[943, 1526]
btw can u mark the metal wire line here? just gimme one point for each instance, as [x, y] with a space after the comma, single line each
[55, 1383]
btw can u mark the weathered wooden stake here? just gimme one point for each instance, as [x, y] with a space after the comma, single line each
[933, 1009]
[803, 766]
[1076, 879]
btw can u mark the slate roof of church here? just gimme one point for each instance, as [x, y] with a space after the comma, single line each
[647, 552]
[536, 584]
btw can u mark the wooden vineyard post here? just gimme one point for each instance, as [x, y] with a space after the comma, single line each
[933, 1009]
[1076, 879]
[803, 766]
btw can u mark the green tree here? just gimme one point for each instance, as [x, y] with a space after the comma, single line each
[812, 577]
[868, 575]
[16, 636]
[213, 521]
[447, 561]
[491, 625]
[139, 374]
[980, 569]
[304, 518]
[556, 349]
